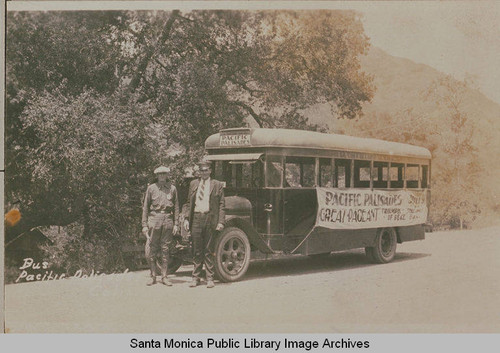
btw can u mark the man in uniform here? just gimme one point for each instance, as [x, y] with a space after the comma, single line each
[160, 213]
[204, 216]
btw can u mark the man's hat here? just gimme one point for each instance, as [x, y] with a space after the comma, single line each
[162, 169]
[203, 165]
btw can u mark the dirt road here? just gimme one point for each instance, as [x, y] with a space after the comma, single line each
[449, 282]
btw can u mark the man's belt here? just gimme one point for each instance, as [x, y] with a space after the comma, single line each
[167, 212]
[200, 212]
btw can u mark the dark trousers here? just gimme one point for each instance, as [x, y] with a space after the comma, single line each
[202, 246]
[160, 238]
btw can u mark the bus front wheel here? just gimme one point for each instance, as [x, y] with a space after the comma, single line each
[385, 246]
[232, 254]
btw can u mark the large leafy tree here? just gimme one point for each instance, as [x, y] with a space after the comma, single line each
[204, 68]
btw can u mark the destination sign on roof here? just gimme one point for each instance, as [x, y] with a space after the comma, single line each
[235, 139]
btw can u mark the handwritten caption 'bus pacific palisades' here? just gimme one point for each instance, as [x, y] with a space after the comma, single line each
[358, 208]
[33, 271]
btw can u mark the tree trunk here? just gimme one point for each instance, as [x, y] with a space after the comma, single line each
[144, 61]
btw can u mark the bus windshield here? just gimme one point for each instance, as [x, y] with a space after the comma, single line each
[240, 174]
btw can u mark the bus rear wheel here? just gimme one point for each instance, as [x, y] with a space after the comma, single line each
[385, 246]
[232, 254]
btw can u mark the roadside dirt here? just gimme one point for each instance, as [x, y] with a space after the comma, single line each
[448, 283]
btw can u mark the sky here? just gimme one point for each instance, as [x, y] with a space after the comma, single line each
[456, 37]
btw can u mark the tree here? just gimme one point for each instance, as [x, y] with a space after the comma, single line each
[64, 54]
[218, 66]
[457, 174]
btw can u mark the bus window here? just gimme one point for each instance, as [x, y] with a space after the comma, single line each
[217, 170]
[380, 174]
[299, 172]
[325, 172]
[258, 174]
[361, 174]
[425, 173]
[221, 170]
[396, 174]
[343, 173]
[308, 173]
[411, 175]
[248, 174]
[274, 168]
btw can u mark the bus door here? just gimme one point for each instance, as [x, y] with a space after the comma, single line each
[299, 199]
[269, 213]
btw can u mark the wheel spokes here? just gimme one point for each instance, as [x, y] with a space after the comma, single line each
[233, 256]
[386, 243]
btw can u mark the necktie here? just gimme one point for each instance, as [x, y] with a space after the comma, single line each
[201, 194]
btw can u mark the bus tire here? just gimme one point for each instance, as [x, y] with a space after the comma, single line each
[232, 254]
[385, 245]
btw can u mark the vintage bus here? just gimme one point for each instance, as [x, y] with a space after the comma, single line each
[302, 192]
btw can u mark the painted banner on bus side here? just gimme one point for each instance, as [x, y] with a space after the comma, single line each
[362, 208]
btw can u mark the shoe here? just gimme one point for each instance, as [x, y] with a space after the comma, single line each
[151, 281]
[166, 282]
[210, 284]
[194, 283]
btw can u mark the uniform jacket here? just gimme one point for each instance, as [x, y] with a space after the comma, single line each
[216, 202]
[159, 199]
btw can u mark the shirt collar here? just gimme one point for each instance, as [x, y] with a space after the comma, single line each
[165, 184]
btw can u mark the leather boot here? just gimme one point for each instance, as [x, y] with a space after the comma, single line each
[151, 281]
[166, 282]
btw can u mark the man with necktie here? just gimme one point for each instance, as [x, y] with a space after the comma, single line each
[205, 216]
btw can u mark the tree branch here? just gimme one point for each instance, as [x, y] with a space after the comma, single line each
[143, 63]
[245, 86]
[258, 119]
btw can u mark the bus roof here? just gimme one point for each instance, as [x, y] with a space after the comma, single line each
[287, 138]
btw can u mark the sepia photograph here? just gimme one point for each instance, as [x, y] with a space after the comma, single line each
[252, 167]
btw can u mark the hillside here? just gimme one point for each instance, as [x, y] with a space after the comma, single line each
[400, 84]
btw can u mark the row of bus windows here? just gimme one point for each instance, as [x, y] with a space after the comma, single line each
[296, 172]
[301, 172]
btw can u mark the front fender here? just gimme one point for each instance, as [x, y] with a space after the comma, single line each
[255, 239]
